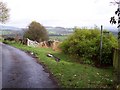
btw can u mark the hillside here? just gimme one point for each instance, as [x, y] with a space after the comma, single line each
[9, 28]
[52, 31]
[59, 30]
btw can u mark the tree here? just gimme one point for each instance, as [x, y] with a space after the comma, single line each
[113, 20]
[36, 32]
[4, 16]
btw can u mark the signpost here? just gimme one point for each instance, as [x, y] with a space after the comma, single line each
[101, 44]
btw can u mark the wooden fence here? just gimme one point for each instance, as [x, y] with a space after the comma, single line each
[116, 65]
[116, 58]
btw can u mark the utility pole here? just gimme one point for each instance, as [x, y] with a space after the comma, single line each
[101, 44]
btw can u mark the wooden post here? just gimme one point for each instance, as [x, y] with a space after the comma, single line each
[101, 45]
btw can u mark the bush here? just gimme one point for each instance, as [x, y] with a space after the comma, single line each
[85, 44]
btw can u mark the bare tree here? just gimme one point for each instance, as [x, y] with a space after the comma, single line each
[4, 16]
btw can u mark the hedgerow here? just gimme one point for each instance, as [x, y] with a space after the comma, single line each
[85, 45]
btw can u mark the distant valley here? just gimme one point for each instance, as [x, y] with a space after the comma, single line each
[52, 31]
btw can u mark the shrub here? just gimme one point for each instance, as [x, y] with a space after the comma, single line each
[85, 43]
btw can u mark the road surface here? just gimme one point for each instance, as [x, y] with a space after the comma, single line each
[0, 67]
[20, 70]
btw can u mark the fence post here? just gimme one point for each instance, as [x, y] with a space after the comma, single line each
[118, 69]
[101, 45]
[116, 65]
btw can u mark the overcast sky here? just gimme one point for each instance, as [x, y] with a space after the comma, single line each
[65, 13]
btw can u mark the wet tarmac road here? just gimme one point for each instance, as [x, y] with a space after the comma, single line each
[19, 70]
[0, 67]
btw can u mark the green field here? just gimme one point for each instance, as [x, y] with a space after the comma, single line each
[5, 32]
[70, 74]
[59, 38]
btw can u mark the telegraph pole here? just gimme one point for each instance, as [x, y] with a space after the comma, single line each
[101, 44]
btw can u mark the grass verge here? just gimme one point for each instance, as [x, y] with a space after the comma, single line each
[70, 74]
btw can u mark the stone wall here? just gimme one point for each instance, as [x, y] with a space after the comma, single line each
[32, 43]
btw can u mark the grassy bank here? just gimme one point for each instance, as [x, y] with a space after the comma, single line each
[70, 74]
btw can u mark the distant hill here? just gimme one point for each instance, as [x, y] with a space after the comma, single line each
[12, 31]
[9, 31]
[9, 28]
[51, 30]
[59, 30]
